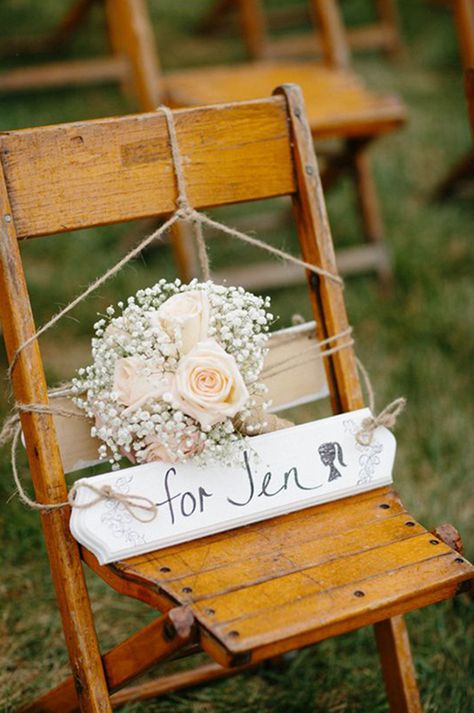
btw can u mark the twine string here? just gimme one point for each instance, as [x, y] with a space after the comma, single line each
[104, 492]
[387, 417]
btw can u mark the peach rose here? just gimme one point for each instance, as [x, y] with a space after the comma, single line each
[156, 450]
[188, 314]
[136, 382]
[208, 385]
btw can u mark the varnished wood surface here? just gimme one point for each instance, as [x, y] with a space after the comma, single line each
[111, 170]
[299, 578]
[29, 386]
[337, 102]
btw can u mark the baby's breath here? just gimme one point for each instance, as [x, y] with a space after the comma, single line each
[238, 321]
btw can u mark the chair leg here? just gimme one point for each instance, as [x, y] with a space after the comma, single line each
[387, 12]
[131, 36]
[370, 208]
[397, 666]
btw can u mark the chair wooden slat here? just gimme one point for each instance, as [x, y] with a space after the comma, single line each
[293, 372]
[69, 176]
[318, 615]
[225, 548]
[296, 557]
[258, 580]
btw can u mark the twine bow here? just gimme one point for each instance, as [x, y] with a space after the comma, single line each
[106, 492]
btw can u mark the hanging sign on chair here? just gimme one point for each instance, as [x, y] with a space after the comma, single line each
[158, 504]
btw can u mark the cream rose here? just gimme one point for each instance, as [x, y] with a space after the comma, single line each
[136, 382]
[208, 385]
[186, 313]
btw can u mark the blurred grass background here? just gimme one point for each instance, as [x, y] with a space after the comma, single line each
[418, 341]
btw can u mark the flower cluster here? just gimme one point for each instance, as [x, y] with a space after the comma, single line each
[174, 371]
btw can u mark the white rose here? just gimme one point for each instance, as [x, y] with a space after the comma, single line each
[136, 382]
[208, 385]
[186, 313]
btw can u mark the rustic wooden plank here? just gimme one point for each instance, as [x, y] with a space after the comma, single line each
[241, 544]
[268, 599]
[112, 170]
[293, 372]
[270, 563]
[337, 103]
[58, 74]
[329, 613]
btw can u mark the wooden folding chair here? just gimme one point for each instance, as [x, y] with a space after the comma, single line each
[463, 170]
[339, 107]
[132, 61]
[223, 594]
[383, 33]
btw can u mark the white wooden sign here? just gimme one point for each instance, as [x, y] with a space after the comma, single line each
[280, 472]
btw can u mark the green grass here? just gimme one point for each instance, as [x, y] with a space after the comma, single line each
[417, 342]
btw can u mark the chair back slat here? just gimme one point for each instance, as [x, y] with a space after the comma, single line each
[72, 176]
[293, 373]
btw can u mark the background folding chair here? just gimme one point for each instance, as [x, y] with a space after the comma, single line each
[131, 61]
[463, 171]
[339, 107]
[383, 33]
[362, 560]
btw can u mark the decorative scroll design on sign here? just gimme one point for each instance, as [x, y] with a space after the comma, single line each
[369, 458]
[118, 518]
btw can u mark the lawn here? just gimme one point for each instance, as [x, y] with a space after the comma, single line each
[416, 341]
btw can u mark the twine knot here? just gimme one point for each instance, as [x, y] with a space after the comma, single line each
[106, 492]
[387, 417]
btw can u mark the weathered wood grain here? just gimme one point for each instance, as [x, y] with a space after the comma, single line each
[29, 386]
[113, 170]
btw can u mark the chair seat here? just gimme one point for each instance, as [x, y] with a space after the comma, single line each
[266, 588]
[337, 102]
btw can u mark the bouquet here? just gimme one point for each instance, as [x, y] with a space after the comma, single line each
[175, 373]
